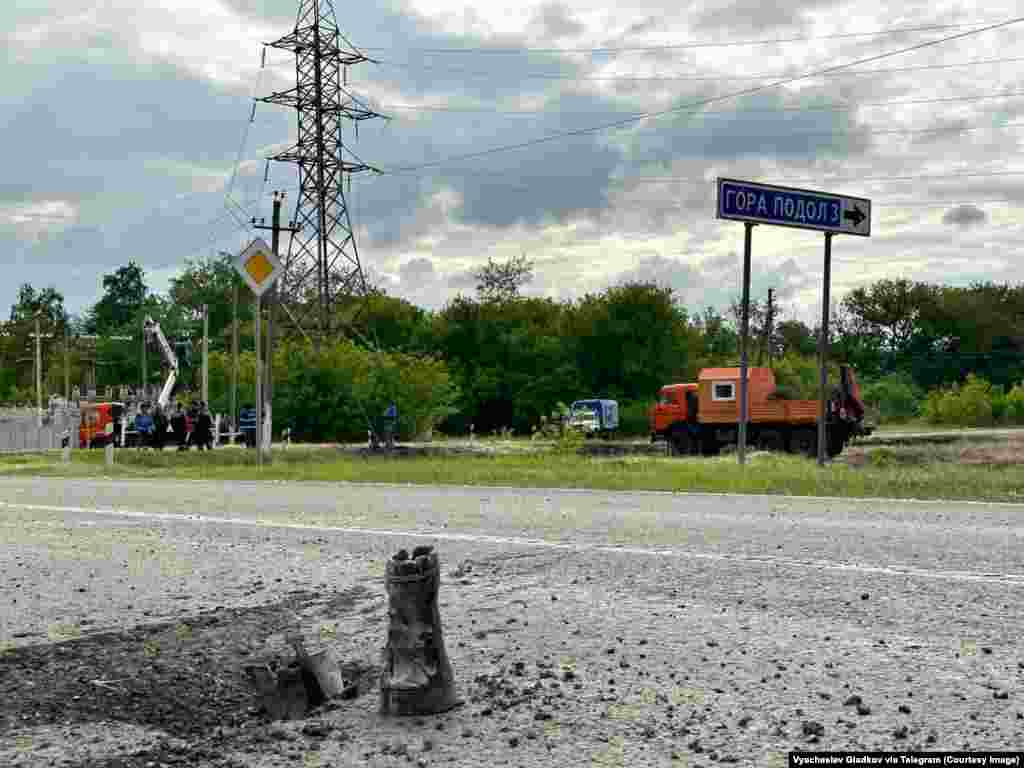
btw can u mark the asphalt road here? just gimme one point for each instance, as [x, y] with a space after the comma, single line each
[773, 609]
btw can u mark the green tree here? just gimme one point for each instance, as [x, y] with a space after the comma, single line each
[508, 358]
[719, 341]
[124, 294]
[887, 310]
[48, 303]
[17, 345]
[388, 322]
[502, 281]
[895, 397]
[795, 337]
[630, 340]
[210, 282]
[335, 392]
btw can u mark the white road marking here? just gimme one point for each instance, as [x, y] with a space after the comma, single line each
[828, 565]
[852, 501]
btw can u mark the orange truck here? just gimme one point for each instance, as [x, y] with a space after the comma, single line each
[100, 424]
[702, 417]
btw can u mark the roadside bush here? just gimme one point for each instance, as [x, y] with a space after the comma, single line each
[797, 378]
[1000, 406]
[333, 394]
[569, 442]
[633, 418]
[894, 397]
[967, 405]
[1015, 404]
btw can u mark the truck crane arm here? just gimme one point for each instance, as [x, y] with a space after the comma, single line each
[153, 329]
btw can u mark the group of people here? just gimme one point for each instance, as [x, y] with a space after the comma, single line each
[192, 427]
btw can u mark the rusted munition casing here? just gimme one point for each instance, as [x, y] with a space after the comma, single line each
[416, 678]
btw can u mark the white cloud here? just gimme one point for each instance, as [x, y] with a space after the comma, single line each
[31, 220]
[174, 80]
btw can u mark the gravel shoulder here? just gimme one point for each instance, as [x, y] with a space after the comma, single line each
[584, 628]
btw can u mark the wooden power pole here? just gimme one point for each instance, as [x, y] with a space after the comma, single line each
[206, 355]
[142, 384]
[268, 378]
[39, 374]
[234, 355]
[67, 370]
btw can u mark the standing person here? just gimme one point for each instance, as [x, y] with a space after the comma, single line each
[180, 427]
[159, 427]
[202, 433]
[144, 426]
[247, 425]
[190, 425]
[390, 421]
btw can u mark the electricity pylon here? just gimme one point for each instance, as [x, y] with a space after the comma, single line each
[322, 264]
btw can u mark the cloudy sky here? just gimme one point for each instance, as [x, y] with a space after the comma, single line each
[124, 124]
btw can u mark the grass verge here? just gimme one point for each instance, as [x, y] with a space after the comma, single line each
[904, 473]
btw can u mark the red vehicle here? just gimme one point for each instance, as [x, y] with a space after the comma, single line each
[702, 417]
[100, 424]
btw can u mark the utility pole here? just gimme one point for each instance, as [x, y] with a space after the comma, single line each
[142, 387]
[234, 347]
[234, 355]
[275, 240]
[67, 369]
[206, 356]
[39, 375]
[769, 328]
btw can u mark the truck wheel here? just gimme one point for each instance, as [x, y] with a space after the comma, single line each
[710, 447]
[837, 439]
[771, 440]
[804, 441]
[682, 444]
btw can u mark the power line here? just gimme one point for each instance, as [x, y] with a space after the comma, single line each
[245, 135]
[755, 89]
[717, 112]
[789, 180]
[916, 203]
[682, 46]
[807, 180]
[431, 169]
[701, 78]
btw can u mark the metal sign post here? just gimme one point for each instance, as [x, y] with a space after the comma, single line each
[823, 354]
[755, 203]
[259, 267]
[741, 437]
[259, 387]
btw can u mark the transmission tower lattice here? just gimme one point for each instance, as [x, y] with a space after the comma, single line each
[322, 264]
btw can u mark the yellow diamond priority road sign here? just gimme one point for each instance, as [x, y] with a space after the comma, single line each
[258, 266]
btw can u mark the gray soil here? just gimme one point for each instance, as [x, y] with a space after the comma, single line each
[585, 628]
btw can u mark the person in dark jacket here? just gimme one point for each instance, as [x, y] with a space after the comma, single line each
[144, 426]
[180, 427]
[247, 425]
[190, 425]
[202, 432]
[389, 422]
[159, 427]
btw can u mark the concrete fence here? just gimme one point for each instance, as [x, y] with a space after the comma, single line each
[22, 435]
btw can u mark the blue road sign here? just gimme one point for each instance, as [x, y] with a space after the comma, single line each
[793, 207]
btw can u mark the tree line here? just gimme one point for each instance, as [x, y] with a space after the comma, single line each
[498, 359]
